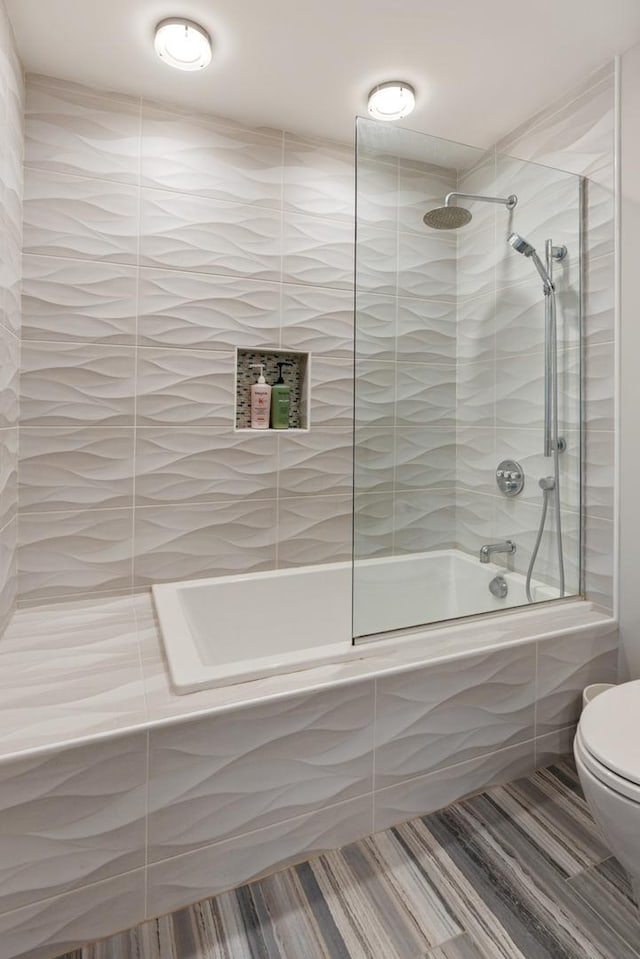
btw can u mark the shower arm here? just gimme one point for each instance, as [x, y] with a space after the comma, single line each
[508, 201]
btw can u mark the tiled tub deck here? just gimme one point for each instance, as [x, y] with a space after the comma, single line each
[121, 801]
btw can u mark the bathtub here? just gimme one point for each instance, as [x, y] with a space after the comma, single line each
[232, 629]
[404, 591]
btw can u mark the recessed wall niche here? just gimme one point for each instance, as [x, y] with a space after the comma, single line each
[297, 376]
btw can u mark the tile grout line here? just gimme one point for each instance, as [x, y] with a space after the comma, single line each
[147, 793]
[374, 756]
[278, 443]
[394, 479]
[535, 702]
[136, 356]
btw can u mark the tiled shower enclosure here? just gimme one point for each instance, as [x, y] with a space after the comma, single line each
[131, 320]
[450, 364]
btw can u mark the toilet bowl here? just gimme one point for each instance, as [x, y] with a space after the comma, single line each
[607, 754]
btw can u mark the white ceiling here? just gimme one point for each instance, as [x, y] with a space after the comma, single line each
[479, 67]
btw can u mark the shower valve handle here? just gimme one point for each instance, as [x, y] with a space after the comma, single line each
[510, 477]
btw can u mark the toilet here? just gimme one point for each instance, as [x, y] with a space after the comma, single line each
[607, 754]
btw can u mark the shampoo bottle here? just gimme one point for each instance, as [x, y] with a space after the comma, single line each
[280, 401]
[260, 400]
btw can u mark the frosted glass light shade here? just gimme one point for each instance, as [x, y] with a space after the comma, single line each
[183, 44]
[391, 101]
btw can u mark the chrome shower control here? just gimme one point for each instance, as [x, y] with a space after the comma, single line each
[510, 477]
[499, 587]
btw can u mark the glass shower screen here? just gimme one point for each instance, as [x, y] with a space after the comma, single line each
[467, 372]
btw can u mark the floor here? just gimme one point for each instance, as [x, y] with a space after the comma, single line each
[518, 872]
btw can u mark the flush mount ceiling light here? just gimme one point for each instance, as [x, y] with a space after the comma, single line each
[183, 44]
[392, 101]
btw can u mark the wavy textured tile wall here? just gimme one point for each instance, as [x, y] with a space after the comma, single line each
[77, 384]
[577, 134]
[318, 178]
[237, 226]
[193, 465]
[314, 529]
[75, 466]
[51, 927]
[75, 300]
[84, 813]
[11, 191]
[188, 311]
[66, 553]
[201, 235]
[189, 541]
[419, 729]
[500, 373]
[306, 753]
[73, 130]
[406, 361]
[156, 242]
[177, 809]
[78, 217]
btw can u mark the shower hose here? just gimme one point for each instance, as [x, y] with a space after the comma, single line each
[550, 484]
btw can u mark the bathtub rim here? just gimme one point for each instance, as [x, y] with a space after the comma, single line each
[184, 660]
[592, 620]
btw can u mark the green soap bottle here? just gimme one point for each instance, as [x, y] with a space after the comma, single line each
[280, 401]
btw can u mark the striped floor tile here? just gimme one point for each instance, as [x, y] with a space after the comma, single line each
[518, 872]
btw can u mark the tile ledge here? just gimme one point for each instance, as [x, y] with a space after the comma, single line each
[130, 619]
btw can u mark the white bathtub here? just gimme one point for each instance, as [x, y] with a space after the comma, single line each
[431, 587]
[232, 629]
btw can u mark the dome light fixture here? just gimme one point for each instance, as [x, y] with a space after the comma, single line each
[183, 44]
[392, 101]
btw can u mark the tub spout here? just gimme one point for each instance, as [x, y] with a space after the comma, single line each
[485, 551]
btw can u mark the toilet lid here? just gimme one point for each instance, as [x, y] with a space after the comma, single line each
[609, 730]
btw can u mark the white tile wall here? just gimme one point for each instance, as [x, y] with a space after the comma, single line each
[67, 384]
[500, 360]
[184, 879]
[156, 242]
[468, 339]
[51, 927]
[495, 711]
[11, 188]
[78, 301]
[305, 753]
[405, 345]
[231, 790]
[577, 135]
[209, 539]
[424, 794]
[79, 217]
[206, 312]
[84, 811]
[138, 287]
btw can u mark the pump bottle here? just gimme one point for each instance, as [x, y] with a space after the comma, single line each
[260, 400]
[280, 400]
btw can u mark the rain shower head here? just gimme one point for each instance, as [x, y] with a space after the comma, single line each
[447, 218]
[450, 217]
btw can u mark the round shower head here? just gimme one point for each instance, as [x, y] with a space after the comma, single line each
[447, 218]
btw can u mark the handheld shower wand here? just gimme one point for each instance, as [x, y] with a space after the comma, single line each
[552, 441]
[520, 245]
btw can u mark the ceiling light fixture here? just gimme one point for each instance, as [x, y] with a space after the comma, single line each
[392, 101]
[183, 44]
